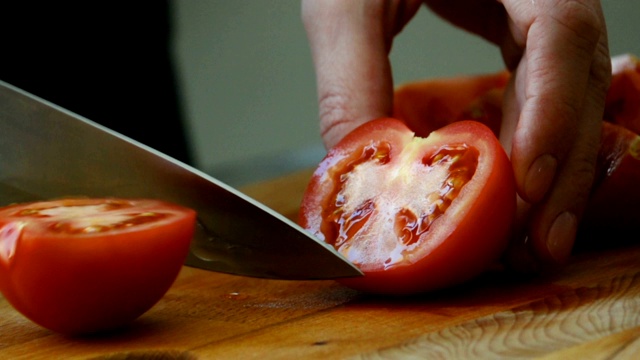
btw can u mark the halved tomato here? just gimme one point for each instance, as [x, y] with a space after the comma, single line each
[414, 214]
[79, 266]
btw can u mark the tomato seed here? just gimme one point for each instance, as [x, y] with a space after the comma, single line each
[349, 225]
[462, 163]
[338, 226]
[30, 212]
[102, 224]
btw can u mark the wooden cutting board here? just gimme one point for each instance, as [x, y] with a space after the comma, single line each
[590, 310]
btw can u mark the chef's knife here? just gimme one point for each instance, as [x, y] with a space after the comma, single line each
[49, 152]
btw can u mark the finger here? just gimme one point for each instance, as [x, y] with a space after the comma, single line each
[556, 219]
[551, 86]
[350, 42]
[561, 83]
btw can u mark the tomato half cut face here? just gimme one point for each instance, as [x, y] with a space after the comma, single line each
[82, 265]
[414, 214]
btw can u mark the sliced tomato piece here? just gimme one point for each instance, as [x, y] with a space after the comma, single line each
[79, 266]
[430, 104]
[414, 214]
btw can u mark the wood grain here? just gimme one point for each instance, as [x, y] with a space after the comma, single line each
[496, 317]
[621, 345]
[553, 323]
[589, 310]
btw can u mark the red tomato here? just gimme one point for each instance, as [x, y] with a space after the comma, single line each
[430, 104]
[414, 214]
[79, 266]
[622, 104]
[613, 204]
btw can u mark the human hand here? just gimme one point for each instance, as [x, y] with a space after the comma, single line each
[558, 54]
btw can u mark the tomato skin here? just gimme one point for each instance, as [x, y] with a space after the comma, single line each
[613, 203]
[85, 283]
[622, 104]
[464, 241]
[430, 104]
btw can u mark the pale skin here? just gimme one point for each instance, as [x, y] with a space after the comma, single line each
[558, 53]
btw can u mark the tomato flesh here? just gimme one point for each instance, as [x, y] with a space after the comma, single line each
[430, 188]
[92, 218]
[78, 266]
[397, 205]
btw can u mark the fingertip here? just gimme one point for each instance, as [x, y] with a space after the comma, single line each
[561, 237]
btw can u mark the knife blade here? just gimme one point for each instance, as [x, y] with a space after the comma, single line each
[49, 152]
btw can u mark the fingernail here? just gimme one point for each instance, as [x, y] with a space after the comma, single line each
[561, 236]
[540, 177]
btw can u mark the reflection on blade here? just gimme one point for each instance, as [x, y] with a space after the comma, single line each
[47, 152]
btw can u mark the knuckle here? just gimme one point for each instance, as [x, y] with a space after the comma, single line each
[333, 107]
[579, 15]
[583, 19]
[601, 70]
[334, 112]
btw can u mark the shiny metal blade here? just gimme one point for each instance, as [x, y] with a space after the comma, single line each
[48, 152]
